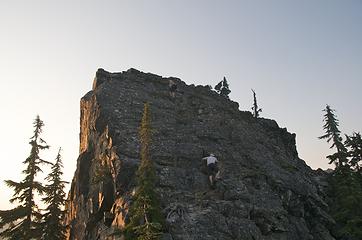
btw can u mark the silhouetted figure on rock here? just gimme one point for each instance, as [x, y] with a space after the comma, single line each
[172, 88]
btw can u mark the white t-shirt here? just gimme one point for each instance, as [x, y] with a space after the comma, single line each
[210, 159]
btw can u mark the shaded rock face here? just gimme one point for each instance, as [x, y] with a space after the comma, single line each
[265, 191]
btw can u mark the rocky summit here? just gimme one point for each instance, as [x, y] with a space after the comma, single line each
[265, 192]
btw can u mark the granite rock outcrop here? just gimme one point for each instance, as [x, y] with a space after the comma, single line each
[266, 191]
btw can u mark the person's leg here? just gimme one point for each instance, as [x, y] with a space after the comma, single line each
[213, 181]
[211, 173]
[217, 176]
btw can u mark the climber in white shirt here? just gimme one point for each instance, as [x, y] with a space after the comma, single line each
[212, 169]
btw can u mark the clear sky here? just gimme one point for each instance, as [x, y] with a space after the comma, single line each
[297, 55]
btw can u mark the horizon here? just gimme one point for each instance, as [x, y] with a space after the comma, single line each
[297, 56]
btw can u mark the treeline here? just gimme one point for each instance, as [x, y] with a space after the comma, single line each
[27, 220]
[345, 183]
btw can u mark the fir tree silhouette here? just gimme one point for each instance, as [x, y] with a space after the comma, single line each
[333, 135]
[25, 219]
[345, 184]
[222, 88]
[255, 108]
[354, 143]
[54, 228]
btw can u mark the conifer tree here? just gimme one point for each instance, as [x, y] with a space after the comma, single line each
[255, 108]
[218, 87]
[222, 88]
[345, 185]
[225, 91]
[146, 221]
[333, 134]
[354, 143]
[55, 198]
[345, 194]
[25, 219]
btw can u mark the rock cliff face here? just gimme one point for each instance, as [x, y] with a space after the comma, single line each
[266, 191]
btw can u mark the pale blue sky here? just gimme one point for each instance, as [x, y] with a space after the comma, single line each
[297, 55]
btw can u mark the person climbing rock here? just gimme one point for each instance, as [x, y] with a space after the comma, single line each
[212, 169]
[172, 88]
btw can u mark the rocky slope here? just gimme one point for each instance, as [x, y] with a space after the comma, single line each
[266, 191]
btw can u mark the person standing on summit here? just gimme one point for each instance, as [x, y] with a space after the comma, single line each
[212, 169]
[172, 87]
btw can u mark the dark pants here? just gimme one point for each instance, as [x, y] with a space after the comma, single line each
[212, 169]
[173, 88]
